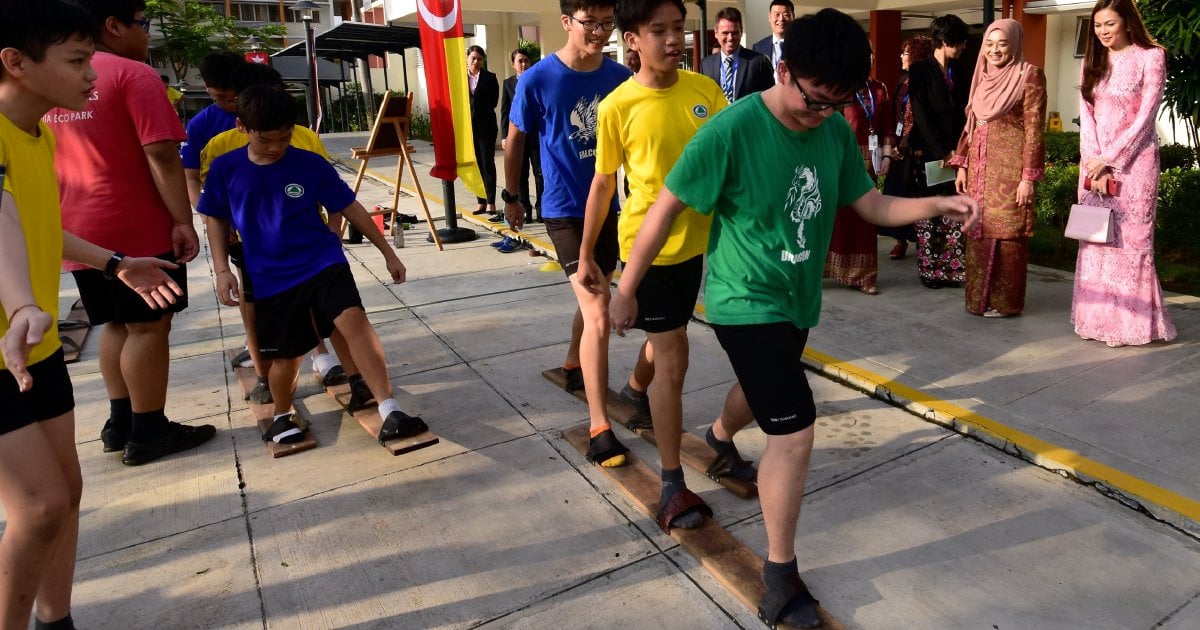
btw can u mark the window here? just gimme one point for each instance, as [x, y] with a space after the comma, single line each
[1082, 32]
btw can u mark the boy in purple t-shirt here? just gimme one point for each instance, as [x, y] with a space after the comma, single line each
[270, 192]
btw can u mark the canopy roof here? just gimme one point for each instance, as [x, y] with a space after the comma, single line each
[356, 40]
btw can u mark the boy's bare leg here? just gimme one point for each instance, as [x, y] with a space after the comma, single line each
[781, 477]
[145, 363]
[39, 498]
[342, 349]
[670, 352]
[735, 414]
[643, 370]
[112, 340]
[262, 367]
[282, 379]
[54, 596]
[572, 360]
[593, 351]
[366, 352]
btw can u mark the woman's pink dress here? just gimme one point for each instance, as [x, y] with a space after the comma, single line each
[1117, 295]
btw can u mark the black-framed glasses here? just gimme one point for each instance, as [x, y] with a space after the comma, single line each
[593, 26]
[145, 24]
[820, 106]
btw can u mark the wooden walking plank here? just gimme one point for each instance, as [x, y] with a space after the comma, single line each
[263, 415]
[369, 419]
[73, 331]
[694, 452]
[733, 564]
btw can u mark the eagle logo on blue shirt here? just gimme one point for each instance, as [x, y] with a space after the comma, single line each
[295, 191]
[583, 119]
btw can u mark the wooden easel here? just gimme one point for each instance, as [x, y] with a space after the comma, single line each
[389, 136]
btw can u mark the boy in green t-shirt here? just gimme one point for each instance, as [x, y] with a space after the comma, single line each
[644, 124]
[45, 62]
[773, 201]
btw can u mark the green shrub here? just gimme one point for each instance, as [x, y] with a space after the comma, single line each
[419, 127]
[1062, 147]
[1176, 220]
[1056, 193]
[1175, 156]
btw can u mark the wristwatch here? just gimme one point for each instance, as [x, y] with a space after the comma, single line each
[507, 197]
[110, 268]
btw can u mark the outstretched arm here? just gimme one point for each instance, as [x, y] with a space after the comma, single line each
[357, 215]
[885, 210]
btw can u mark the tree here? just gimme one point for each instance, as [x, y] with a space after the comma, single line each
[193, 29]
[1176, 25]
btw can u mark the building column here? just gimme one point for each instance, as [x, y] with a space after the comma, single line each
[1035, 34]
[885, 41]
[551, 30]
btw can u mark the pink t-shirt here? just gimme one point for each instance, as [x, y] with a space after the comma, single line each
[108, 194]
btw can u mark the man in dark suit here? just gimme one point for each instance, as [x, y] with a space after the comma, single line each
[781, 12]
[737, 70]
[532, 161]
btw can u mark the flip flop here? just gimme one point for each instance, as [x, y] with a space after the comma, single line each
[729, 463]
[682, 503]
[792, 596]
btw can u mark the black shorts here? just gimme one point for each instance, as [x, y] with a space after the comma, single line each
[567, 235]
[666, 298]
[111, 301]
[236, 258]
[50, 397]
[766, 360]
[285, 321]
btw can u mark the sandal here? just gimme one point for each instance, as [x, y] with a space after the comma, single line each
[70, 346]
[360, 396]
[729, 463]
[335, 376]
[791, 595]
[869, 289]
[283, 431]
[73, 324]
[993, 313]
[574, 378]
[681, 504]
[400, 425]
[640, 420]
[606, 450]
[899, 250]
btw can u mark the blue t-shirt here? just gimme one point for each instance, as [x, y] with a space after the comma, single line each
[559, 104]
[211, 121]
[276, 209]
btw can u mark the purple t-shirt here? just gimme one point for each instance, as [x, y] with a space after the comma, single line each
[211, 121]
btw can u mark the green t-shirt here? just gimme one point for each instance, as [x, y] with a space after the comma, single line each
[773, 194]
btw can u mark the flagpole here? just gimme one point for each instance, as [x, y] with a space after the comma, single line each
[452, 233]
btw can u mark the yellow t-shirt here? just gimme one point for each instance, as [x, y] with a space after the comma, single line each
[31, 181]
[645, 130]
[226, 141]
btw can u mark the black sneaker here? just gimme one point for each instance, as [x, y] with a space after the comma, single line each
[113, 437]
[360, 396]
[400, 425]
[640, 402]
[496, 218]
[173, 438]
[261, 394]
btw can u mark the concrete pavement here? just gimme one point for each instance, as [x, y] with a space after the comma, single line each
[907, 523]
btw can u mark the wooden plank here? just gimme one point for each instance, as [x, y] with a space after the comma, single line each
[369, 419]
[263, 415]
[694, 452]
[74, 335]
[733, 564]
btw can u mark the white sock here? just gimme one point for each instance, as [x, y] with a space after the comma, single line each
[322, 363]
[388, 406]
[290, 432]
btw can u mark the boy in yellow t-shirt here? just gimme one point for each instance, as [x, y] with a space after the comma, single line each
[644, 125]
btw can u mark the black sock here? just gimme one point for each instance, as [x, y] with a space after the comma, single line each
[354, 379]
[672, 482]
[634, 393]
[146, 426]
[120, 410]
[774, 571]
[62, 624]
[720, 446]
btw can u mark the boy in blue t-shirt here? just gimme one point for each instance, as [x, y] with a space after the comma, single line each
[271, 193]
[556, 101]
[216, 69]
[773, 202]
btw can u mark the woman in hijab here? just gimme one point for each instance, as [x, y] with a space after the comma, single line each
[999, 157]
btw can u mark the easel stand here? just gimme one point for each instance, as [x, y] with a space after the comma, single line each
[452, 233]
[389, 136]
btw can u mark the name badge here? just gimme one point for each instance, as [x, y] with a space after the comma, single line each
[873, 141]
[899, 129]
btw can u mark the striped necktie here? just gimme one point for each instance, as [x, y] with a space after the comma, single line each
[727, 79]
[775, 61]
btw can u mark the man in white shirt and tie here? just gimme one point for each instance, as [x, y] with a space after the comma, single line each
[738, 70]
[781, 12]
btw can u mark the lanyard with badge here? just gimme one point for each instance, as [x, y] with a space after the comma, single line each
[872, 137]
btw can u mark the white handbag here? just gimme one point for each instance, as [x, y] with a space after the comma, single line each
[1091, 223]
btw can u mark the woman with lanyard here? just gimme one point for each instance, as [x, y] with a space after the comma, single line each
[853, 249]
[894, 171]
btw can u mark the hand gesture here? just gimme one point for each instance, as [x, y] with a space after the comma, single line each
[514, 212]
[960, 181]
[25, 331]
[623, 313]
[960, 208]
[228, 292]
[1100, 184]
[397, 270]
[1094, 167]
[589, 277]
[1025, 193]
[147, 278]
[184, 242]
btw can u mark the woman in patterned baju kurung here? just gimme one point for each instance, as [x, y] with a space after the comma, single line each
[853, 258]
[1117, 296]
[1000, 155]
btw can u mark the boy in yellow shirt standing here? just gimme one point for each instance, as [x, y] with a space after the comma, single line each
[644, 125]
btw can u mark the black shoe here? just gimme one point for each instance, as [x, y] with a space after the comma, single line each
[352, 241]
[113, 437]
[173, 438]
[284, 431]
[574, 379]
[640, 402]
[496, 218]
[360, 396]
[930, 284]
[261, 394]
[399, 425]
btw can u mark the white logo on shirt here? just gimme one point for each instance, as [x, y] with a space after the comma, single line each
[583, 119]
[295, 191]
[803, 203]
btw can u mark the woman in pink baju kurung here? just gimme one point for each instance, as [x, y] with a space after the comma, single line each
[1117, 296]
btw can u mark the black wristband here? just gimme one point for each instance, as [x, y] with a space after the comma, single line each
[507, 197]
[110, 268]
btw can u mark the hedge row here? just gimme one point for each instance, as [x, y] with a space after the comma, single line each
[1062, 147]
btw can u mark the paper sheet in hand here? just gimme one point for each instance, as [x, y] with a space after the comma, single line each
[936, 174]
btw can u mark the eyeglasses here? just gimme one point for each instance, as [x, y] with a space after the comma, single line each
[820, 106]
[593, 26]
[145, 24]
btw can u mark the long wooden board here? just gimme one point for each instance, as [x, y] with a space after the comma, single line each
[733, 564]
[76, 334]
[369, 419]
[694, 452]
[263, 415]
